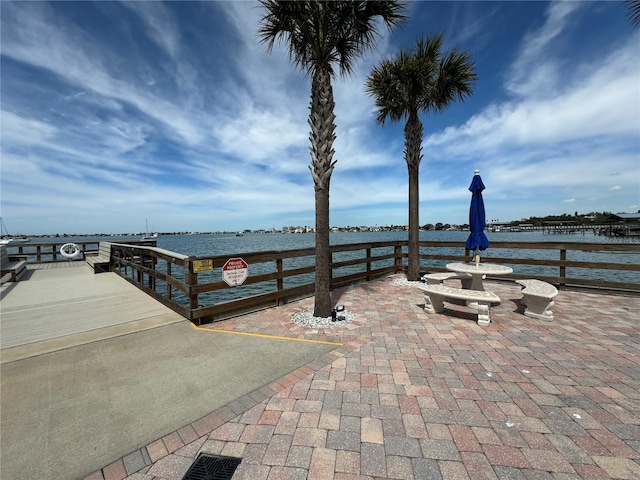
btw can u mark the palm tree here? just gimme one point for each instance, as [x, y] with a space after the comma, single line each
[418, 81]
[322, 35]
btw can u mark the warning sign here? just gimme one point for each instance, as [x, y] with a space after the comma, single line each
[202, 266]
[235, 271]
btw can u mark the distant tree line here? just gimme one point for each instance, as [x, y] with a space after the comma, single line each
[576, 218]
[596, 218]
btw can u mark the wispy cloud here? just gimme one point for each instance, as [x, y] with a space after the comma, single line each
[160, 25]
[34, 35]
[598, 103]
[536, 71]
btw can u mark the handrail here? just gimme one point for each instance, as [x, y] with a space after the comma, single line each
[49, 252]
[277, 277]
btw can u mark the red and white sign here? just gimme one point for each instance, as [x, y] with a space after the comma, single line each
[235, 271]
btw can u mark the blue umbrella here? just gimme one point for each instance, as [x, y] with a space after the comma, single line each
[477, 239]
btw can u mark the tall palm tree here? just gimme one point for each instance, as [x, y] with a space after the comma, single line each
[417, 81]
[322, 35]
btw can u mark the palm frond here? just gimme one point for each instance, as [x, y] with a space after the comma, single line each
[633, 12]
[420, 79]
[326, 33]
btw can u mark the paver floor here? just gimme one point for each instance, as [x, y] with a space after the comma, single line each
[413, 395]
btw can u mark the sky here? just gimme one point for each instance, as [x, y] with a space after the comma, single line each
[119, 114]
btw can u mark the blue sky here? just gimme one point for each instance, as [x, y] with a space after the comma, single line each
[113, 113]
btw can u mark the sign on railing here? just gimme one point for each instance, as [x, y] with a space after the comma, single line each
[200, 266]
[235, 271]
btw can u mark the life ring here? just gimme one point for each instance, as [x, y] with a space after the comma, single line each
[70, 251]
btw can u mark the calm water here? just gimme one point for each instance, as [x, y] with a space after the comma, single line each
[219, 244]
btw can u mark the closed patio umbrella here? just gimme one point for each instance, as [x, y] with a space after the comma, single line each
[477, 239]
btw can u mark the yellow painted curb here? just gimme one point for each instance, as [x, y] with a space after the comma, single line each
[262, 335]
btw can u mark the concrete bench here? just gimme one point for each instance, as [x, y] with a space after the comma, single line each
[537, 297]
[11, 269]
[101, 261]
[435, 295]
[438, 278]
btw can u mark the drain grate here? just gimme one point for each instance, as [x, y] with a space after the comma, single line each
[212, 467]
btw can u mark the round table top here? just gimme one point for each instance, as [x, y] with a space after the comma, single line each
[481, 268]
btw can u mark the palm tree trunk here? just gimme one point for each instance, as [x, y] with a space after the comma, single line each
[413, 156]
[321, 121]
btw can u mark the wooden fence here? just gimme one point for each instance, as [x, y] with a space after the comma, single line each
[194, 286]
[564, 271]
[49, 252]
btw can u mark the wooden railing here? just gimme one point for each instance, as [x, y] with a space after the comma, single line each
[276, 277]
[553, 263]
[194, 286]
[49, 252]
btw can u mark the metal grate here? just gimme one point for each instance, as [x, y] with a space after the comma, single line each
[212, 467]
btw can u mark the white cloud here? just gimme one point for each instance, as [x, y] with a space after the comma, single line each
[159, 23]
[536, 71]
[602, 102]
[35, 36]
[260, 135]
[25, 131]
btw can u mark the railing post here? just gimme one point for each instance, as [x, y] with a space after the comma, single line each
[397, 252]
[330, 271]
[168, 284]
[115, 261]
[191, 280]
[139, 272]
[563, 269]
[280, 280]
[368, 264]
[152, 278]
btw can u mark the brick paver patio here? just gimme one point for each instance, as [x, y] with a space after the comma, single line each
[412, 395]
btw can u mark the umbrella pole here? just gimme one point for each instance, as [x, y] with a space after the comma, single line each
[477, 253]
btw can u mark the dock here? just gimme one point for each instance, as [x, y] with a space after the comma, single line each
[398, 393]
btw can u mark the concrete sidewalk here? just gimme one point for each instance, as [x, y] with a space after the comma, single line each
[418, 396]
[70, 409]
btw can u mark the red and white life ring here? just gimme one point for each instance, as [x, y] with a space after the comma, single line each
[70, 251]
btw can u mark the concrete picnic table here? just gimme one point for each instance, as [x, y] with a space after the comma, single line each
[477, 271]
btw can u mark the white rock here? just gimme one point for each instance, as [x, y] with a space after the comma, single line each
[306, 319]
